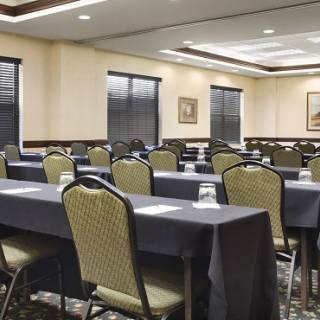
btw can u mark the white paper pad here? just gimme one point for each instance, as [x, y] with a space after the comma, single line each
[153, 210]
[161, 174]
[189, 174]
[299, 182]
[19, 190]
[200, 205]
[88, 168]
[21, 164]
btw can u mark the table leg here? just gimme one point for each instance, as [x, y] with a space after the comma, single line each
[188, 288]
[318, 275]
[304, 271]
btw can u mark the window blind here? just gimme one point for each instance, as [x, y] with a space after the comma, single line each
[9, 101]
[225, 118]
[133, 108]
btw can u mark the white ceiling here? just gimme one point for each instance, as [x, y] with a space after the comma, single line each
[145, 27]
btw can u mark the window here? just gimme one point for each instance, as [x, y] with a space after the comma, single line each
[9, 101]
[133, 103]
[225, 117]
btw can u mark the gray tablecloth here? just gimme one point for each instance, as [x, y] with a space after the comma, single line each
[238, 240]
[37, 157]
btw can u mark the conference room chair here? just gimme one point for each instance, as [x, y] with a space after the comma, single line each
[12, 152]
[314, 165]
[79, 149]
[99, 156]
[120, 149]
[216, 143]
[21, 253]
[254, 144]
[55, 163]
[180, 144]
[218, 148]
[104, 233]
[287, 157]
[164, 160]
[137, 145]
[175, 149]
[318, 149]
[224, 159]
[56, 147]
[305, 146]
[131, 174]
[269, 147]
[262, 187]
[3, 167]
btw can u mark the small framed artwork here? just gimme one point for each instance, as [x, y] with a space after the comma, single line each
[188, 110]
[313, 111]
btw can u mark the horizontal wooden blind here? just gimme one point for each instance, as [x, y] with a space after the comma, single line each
[225, 114]
[133, 108]
[9, 101]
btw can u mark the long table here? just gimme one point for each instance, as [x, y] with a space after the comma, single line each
[238, 241]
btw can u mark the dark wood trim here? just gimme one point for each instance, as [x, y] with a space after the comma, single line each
[208, 55]
[188, 140]
[64, 143]
[277, 139]
[30, 7]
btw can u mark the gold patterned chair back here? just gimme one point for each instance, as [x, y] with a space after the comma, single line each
[179, 144]
[314, 165]
[217, 148]
[173, 149]
[269, 147]
[120, 149]
[3, 167]
[55, 163]
[56, 147]
[287, 157]
[164, 160]
[12, 152]
[224, 159]
[217, 143]
[79, 149]
[103, 229]
[99, 156]
[133, 175]
[257, 187]
[137, 145]
[254, 144]
[305, 146]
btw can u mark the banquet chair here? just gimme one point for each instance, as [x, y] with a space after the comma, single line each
[104, 234]
[131, 174]
[218, 148]
[99, 156]
[137, 145]
[224, 159]
[21, 253]
[216, 143]
[56, 147]
[305, 146]
[318, 149]
[78, 149]
[180, 144]
[3, 167]
[254, 144]
[268, 147]
[314, 165]
[262, 187]
[173, 148]
[287, 157]
[12, 152]
[120, 149]
[165, 160]
[55, 163]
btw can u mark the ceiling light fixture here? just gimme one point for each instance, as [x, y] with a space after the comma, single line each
[310, 73]
[84, 17]
[235, 70]
[179, 59]
[188, 42]
[209, 65]
[314, 40]
[268, 31]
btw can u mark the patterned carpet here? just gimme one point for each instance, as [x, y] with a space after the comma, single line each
[45, 305]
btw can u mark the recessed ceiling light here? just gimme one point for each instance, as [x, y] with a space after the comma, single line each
[288, 52]
[258, 46]
[209, 65]
[311, 73]
[314, 40]
[235, 70]
[268, 31]
[179, 59]
[188, 42]
[84, 17]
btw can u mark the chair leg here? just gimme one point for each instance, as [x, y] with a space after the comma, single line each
[61, 285]
[291, 276]
[87, 310]
[8, 297]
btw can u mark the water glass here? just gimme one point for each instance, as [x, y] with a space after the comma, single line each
[136, 154]
[66, 178]
[189, 168]
[305, 175]
[201, 158]
[207, 193]
[243, 147]
[266, 160]
[201, 151]
[256, 153]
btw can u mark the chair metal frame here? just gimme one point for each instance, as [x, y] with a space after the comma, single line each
[79, 143]
[13, 145]
[161, 149]
[123, 143]
[258, 142]
[99, 183]
[57, 145]
[138, 141]
[230, 151]
[5, 164]
[297, 144]
[291, 148]
[100, 147]
[276, 144]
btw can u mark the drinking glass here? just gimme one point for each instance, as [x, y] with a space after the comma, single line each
[266, 160]
[256, 153]
[66, 178]
[136, 154]
[201, 151]
[201, 158]
[305, 175]
[189, 168]
[243, 147]
[207, 193]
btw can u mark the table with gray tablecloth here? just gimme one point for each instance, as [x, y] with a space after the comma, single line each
[37, 157]
[238, 241]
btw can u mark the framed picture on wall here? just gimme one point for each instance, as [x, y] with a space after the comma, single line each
[313, 111]
[188, 110]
